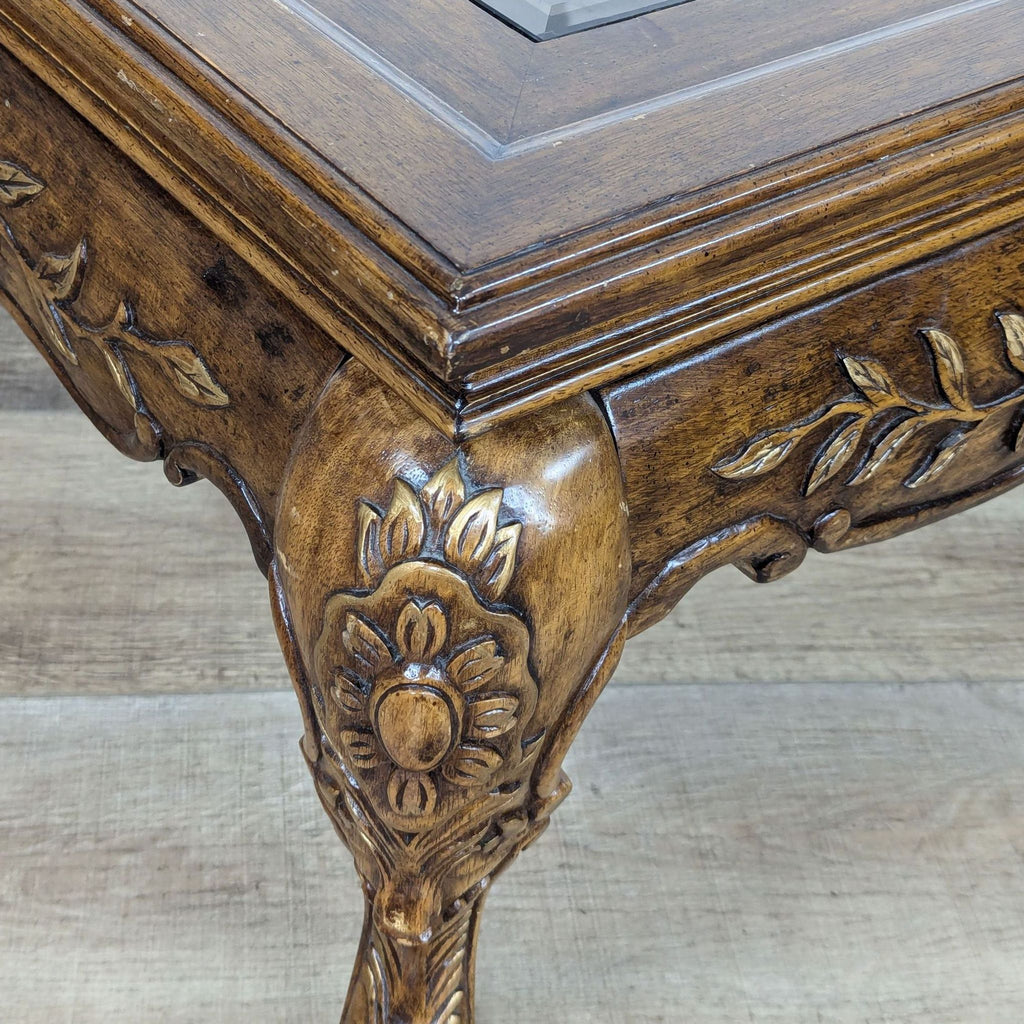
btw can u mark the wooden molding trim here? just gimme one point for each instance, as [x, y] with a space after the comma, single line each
[471, 348]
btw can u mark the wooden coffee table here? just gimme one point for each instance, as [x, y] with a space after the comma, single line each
[500, 331]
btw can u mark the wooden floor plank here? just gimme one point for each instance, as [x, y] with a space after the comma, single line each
[116, 582]
[780, 854]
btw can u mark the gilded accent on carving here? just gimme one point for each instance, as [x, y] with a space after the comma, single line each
[17, 186]
[427, 683]
[423, 692]
[904, 419]
[48, 288]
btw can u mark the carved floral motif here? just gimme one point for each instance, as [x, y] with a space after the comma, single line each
[424, 694]
[48, 289]
[427, 684]
[879, 401]
[418, 706]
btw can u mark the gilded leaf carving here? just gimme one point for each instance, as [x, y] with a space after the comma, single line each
[836, 454]
[906, 417]
[949, 367]
[425, 697]
[50, 288]
[761, 455]
[17, 185]
[1013, 328]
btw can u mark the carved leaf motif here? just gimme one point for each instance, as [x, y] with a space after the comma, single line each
[470, 536]
[760, 456]
[871, 378]
[939, 461]
[17, 186]
[57, 332]
[366, 646]
[497, 571]
[180, 363]
[1013, 329]
[59, 280]
[120, 374]
[62, 275]
[370, 562]
[443, 493]
[347, 694]
[412, 793]
[402, 530]
[835, 454]
[190, 374]
[958, 411]
[476, 666]
[421, 632]
[949, 366]
[55, 282]
[492, 716]
[452, 1011]
[362, 748]
[889, 445]
[471, 765]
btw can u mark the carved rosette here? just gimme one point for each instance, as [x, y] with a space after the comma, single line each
[428, 685]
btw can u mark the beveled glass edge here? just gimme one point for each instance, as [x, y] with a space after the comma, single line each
[531, 19]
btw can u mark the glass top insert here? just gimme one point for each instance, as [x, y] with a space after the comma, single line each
[547, 19]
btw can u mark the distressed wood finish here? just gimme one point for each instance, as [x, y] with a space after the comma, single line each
[163, 336]
[782, 307]
[450, 616]
[487, 274]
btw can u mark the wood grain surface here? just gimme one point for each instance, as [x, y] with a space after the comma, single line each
[484, 277]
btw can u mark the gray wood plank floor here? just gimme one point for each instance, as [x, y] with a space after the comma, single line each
[790, 854]
[770, 823]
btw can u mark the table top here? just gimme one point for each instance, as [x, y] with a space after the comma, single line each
[512, 219]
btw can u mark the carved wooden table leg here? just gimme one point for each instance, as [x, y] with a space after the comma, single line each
[449, 613]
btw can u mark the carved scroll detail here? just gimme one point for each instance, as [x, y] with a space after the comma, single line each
[49, 287]
[877, 394]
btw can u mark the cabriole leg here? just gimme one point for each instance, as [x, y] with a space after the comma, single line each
[449, 614]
